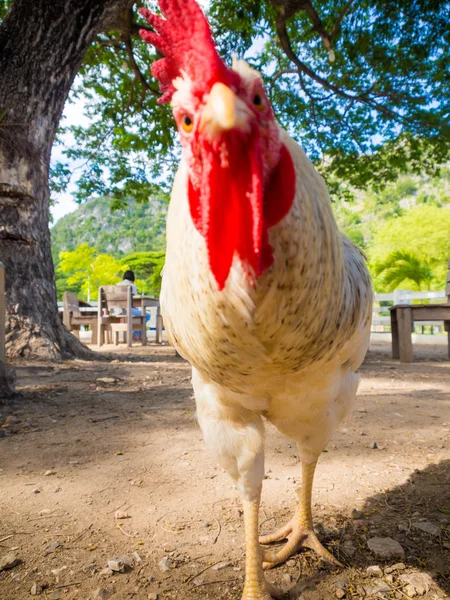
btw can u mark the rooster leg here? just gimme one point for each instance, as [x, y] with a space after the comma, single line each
[299, 531]
[235, 436]
[255, 587]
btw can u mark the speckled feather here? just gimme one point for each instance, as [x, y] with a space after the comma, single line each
[289, 346]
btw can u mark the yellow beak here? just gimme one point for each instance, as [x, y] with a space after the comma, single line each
[224, 111]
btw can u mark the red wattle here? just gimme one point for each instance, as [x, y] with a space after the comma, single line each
[230, 211]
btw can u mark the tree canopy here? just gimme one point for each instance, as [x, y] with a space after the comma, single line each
[363, 86]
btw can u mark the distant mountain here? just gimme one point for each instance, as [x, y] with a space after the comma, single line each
[137, 228]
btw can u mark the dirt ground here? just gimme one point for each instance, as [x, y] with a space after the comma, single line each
[76, 452]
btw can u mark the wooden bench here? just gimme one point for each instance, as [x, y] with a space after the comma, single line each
[402, 323]
[111, 300]
[73, 319]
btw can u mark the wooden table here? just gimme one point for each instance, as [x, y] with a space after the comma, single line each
[402, 325]
[142, 302]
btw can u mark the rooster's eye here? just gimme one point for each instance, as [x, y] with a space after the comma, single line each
[187, 123]
[258, 102]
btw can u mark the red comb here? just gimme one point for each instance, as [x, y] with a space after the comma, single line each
[185, 39]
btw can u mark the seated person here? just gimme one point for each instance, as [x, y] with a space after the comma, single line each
[128, 279]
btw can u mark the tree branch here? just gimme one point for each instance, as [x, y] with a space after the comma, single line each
[317, 24]
[137, 72]
[339, 20]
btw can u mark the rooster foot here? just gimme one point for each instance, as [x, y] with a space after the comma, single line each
[298, 537]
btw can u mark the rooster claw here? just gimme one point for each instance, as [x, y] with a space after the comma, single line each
[298, 537]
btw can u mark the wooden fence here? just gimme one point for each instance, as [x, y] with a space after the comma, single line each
[380, 316]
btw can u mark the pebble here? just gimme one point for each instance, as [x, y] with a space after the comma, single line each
[357, 514]
[286, 578]
[49, 472]
[53, 546]
[9, 561]
[417, 584]
[221, 565]
[374, 570]
[120, 514]
[291, 563]
[34, 589]
[359, 524]
[164, 564]
[10, 421]
[348, 548]
[152, 596]
[385, 547]
[378, 586]
[56, 595]
[117, 565]
[36, 491]
[106, 572]
[106, 380]
[396, 567]
[340, 593]
[374, 446]
[428, 527]
[136, 557]
[101, 594]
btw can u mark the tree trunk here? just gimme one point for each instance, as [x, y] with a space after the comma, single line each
[42, 45]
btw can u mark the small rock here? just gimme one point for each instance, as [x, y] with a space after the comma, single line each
[49, 472]
[56, 490]
[117, 565]
[34, 589]
[53, 546]
[348, 548]
[378, 586]
[340, 593]
[106, 379]
[389, 578]
[57, 572]
[286, 578]
[428, 527]
[101, 594]
[56, 595]
[374, 570]
[417, 584]
[357, 514]
[396, 567]
[374, 446]
[385, 547]
[291, 563]
[106, 572]
[10, 421]
[120, 514]
[9, 561]
[152, 596]
[136, 557]
[36, 491]
[221, 565]
[164, 564]
[359, 524]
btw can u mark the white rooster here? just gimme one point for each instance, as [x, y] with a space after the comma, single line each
[264, 297]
